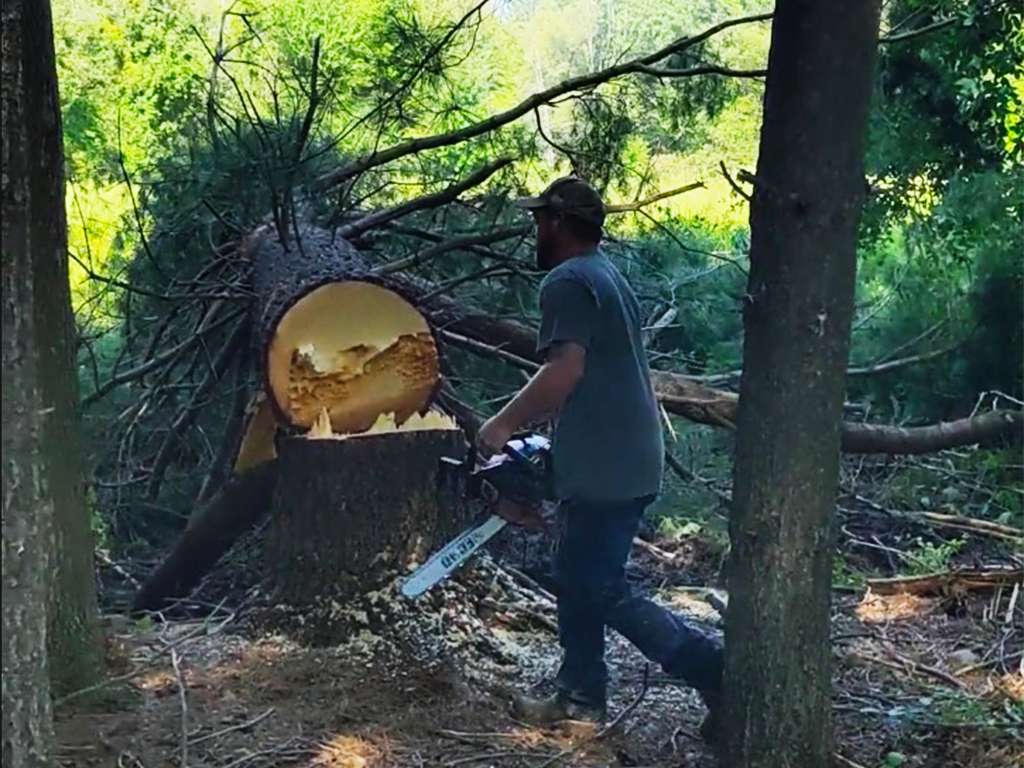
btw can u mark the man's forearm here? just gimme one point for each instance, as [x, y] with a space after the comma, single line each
[541, 396]
[544, 394]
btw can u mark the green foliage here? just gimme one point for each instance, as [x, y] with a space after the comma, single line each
[132, 75]
[210, 150]
[957, 709]
[845, 575]
[932, 558]
[944, 227]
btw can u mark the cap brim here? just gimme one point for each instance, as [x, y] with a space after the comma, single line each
[532, 203]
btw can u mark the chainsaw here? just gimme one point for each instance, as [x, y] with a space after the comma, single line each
[521, 473]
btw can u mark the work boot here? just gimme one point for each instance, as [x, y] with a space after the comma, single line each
[547, 710]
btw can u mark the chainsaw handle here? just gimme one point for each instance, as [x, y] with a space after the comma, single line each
[517, 455]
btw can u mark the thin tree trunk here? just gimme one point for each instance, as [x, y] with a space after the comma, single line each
[75, 648]
[32, 193]
[808, 195]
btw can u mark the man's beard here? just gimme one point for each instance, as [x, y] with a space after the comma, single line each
[545, 255]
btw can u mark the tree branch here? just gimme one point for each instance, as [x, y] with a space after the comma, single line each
[453, 244]
[631, 207]
[877, 368]
[732, 182]
[432, 200]
[570, 85]
[141, 370]
[225, 356]
[709, 69]
[989, 427]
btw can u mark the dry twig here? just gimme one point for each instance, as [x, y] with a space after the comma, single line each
[183, 700]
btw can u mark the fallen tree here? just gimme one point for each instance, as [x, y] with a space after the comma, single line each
[342, 344]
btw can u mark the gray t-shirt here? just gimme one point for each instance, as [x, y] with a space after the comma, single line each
[608, 444]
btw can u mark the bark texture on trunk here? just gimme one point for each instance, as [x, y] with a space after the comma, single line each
[808, 195]
[347, 513]
[32, 191]
[240, 503]
[75, 647]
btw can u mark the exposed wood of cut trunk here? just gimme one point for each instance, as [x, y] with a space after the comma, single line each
[331, 334]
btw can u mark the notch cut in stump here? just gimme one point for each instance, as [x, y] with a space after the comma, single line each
[348, 512]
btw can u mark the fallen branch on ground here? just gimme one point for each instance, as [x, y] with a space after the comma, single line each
[232, 728]
[901, 663]
[948, 581]
[970, 524]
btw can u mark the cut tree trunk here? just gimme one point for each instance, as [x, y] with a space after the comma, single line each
[349, 512]
[806, 206]
[331, 334]
[348, 357]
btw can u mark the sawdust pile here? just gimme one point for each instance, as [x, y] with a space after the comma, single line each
[482, 620]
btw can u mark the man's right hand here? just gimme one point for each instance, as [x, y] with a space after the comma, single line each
[492, 437]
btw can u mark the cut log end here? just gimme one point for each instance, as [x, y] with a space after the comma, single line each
[355, 349]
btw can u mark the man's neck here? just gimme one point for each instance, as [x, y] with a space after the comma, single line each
[572, 250]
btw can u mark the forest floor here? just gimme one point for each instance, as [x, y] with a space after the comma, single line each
[929, 675]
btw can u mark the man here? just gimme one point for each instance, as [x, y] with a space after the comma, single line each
[608, 459]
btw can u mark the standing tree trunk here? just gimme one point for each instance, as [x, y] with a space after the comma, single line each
[34, 239]
[74, 641]
[808, 195]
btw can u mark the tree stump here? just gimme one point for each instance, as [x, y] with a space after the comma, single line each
[348, 512]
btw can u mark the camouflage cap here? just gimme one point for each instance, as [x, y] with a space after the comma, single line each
[569, 196]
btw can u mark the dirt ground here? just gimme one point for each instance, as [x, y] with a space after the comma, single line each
[932, 680]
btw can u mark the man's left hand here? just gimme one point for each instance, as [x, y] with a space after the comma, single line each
[524, 516]
[492, 437]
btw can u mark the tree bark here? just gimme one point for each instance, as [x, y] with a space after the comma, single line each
[32, 191]
[804, 215]
[348, 513]
[75, 647]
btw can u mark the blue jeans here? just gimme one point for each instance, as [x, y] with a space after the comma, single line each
[594, 540]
